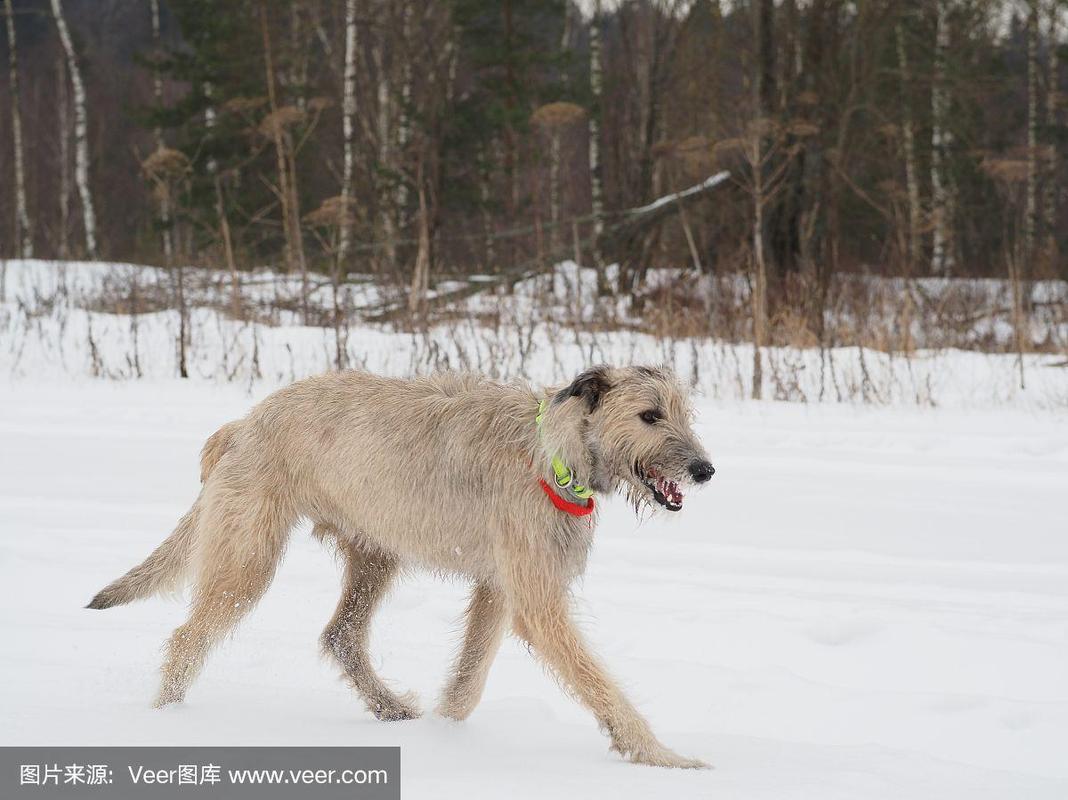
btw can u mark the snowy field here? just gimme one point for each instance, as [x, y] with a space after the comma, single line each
[870, 600]
[539, 332]
[866, 602]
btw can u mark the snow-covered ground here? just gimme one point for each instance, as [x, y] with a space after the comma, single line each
[866, 602]
[51, 325]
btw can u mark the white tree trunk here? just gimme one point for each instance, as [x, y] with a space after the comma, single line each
[404, 127]
[908, 133]
[157, 86]
[81, 131]
[596, 201]
[1052, 86]
[1031, 211]
[210, 118]
[942, 246]
[384, 133]
[348, 128]
[23, 228]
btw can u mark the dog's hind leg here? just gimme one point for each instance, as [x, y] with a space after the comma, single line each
[487, 620]
[368, 576]
[241, 537]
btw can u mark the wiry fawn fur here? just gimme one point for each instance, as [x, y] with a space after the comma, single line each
[440, 472]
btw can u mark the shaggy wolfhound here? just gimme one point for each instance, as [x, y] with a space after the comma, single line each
[454, 473]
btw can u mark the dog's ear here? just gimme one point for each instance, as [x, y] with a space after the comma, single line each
[590, 385]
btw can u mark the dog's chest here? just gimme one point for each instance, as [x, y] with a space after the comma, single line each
[573, 537]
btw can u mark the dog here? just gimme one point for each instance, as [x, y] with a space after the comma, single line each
[454, 473]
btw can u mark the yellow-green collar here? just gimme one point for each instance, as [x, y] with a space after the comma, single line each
[561, 471]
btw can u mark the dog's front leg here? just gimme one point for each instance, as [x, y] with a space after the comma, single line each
[542, 619]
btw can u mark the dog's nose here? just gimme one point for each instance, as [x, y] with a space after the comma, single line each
[701, 471]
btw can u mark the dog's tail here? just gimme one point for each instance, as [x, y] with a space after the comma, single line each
[165, 569]
[160, 572]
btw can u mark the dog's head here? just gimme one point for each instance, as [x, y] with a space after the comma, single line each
[628, 428]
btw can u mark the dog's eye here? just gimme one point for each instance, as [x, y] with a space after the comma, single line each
[650, 417]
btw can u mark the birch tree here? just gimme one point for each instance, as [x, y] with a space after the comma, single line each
[908, 136]
[157, 90]
[404, 123]
[1052, 87]
[81, 131]
[942, 246]
[594, 129]
[760, 160]
[384, 130]
[348, 128]
[23, 228]
[1031, 210]
[63, 119]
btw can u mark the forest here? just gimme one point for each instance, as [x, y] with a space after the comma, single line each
[783, 147]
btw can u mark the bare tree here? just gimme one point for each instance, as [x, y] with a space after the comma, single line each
[942, 246]
[767, 165]
[63, 118]
[421, 272]
[594, 125]
[225, 234]
[650, 35]
[759, 155]
[276, 125]
[404, 122]
[166, 170]
[23, 228]
[157, 88]
[908, 135]
[385, 127]
[1052, 94]
[1031, 212]
[554, 118]
[81, 131]
[348, 127]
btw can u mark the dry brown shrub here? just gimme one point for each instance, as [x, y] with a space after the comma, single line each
[278, 121]
[333, 212]
[556, 115]
[165, 163]
[240, 105]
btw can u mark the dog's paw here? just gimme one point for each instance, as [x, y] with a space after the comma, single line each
[396, 709]
[656, 755]
[671, 760]
[454, 711]
[456, 706]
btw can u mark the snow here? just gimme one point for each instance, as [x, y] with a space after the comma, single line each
[865, 602]
[546, 330]
[869, 600]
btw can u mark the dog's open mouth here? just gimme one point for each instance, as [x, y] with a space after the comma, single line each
[665, 491]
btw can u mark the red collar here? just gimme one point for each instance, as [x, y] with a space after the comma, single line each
[566, 506]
